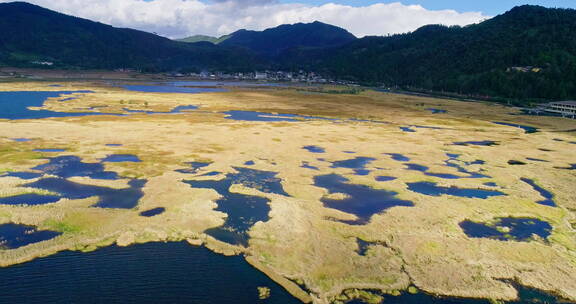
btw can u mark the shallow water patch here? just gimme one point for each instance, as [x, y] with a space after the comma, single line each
[16, 105]
[314, 149]
[243, 210]
[527, 129]
[153, 212]
[487, 143]
[29, 199]
[23, 175]
[358, 164]
[398, 157]
[14, 236]
[549, 197]
[508, 228]
[306, 165]
[360, 200]
[126, 198]
[432, 189]
[121, 158]
[70, 166]
[385, 178]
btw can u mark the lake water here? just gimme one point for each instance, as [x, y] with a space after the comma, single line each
[148, 273]
[14, 105]
[361, 200]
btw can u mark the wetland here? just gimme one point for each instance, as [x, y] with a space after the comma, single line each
[250, 190]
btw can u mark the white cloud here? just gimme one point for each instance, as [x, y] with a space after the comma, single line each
[179, 18]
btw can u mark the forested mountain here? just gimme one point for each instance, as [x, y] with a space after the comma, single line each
[203, 38]
[528, 52]
[273, 42]
[30, 34]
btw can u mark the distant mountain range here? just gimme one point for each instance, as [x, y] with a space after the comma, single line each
[528, 53]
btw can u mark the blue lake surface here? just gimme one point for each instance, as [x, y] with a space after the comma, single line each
[168, 88]
[437, 111]
[314, 149]
[398, 157]
[24, 175]
[306, 165]
[407, 129]
[527, 129]
[549, 197]
[249, 163]
[153, 212]
[243, 210]
[126, 198]
[385, 178]
[432, 189]
[21, 139]
[69, 166]
[29, 199]
[50, 150]
[358, 164]
[121, 158]
[361, 201]
[516, 229]
[14, 105]
[152, 273]
[14, 236]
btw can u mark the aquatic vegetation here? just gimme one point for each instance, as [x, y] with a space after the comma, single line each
[153, 212]
[361, 200]
[14, 236]
[50, 150]
[549, 197]
[432, 189]
[509, 228]
[357, 164]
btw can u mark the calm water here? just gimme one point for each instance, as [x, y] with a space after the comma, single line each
[361, 200]
[14, 105]
[358, 164]
[168, 88]
[148, 273]
[14, 236]
[509, 228]
[548, 196]
[152, 212]
[432, 189]
[527, 129]
[243, 210]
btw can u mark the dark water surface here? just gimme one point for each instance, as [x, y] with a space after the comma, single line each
[361, 200]
[14, 236]
[142, 274]
[508, 228]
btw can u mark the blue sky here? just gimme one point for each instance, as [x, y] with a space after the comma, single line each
[488, 7]
[181, 18]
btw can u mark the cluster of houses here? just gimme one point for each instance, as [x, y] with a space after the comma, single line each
[300, 76]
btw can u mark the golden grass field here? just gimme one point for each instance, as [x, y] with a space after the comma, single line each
[419, 247]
